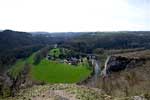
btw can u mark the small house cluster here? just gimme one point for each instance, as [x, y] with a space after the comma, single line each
[73, 60]
[63, 55]
[69, 60]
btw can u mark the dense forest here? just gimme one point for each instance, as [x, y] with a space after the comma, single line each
[109, 40]
[15, 45]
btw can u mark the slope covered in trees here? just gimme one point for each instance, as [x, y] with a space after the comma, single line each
[109, 40]
[15, 45]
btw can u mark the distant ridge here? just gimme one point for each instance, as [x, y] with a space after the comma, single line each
[39, 32]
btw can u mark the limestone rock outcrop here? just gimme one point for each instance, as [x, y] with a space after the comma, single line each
[118, 63]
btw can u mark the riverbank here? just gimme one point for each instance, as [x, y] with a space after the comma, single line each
[93, 79]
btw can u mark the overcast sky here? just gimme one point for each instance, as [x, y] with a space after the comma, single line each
[74, 15]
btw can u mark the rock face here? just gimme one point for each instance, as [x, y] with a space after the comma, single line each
[118, 63]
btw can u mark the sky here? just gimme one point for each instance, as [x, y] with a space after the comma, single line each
[75, 15]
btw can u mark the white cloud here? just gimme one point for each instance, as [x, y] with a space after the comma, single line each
[72, 15]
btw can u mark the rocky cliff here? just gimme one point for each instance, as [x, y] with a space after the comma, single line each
[118, 63]
[127, 74]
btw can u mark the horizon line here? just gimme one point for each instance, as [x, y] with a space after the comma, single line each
[76, 31]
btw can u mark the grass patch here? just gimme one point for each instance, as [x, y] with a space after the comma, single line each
[54, 72]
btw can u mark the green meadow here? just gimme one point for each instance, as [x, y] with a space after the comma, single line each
[52, 71]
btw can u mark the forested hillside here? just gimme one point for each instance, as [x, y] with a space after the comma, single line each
[110, 40]
[15, 45]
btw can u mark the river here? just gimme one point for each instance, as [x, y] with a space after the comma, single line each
[93, 81]
[96, 70]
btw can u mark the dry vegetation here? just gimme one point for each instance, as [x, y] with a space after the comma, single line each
[60, 92]
[65, 92]
[139, 54]
[134, 80]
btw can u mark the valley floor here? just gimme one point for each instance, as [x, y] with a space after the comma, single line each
[130, 84]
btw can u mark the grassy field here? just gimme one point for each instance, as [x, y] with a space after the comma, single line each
[52, 71]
